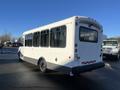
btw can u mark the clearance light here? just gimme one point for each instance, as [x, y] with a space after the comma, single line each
[76, 50]
[76, 45]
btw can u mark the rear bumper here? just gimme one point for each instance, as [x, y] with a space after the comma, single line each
[86, 68]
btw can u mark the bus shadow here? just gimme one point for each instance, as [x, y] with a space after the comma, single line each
[110, 59]
[66, 82]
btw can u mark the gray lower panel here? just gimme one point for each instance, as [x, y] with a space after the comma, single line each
[50, 66]
[60, 68]
[67, 70]
[30, 60]
[76, 70]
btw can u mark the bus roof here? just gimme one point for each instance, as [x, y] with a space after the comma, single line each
[63, 22]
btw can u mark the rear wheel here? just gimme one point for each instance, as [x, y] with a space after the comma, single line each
[42, 66]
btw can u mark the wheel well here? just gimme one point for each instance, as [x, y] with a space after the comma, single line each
[18, 53]
[41, 58]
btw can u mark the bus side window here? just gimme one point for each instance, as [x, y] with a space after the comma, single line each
[58, 37]
[44, 38]
[36, 39]
[28, 40]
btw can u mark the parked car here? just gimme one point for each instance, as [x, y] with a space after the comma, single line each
[8, 44]
[111, 48]
[1, 45]
[16, 44]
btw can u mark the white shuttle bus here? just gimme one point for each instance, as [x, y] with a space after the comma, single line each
[72, 46]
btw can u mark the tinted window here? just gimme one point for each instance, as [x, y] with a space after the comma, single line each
[58, 37]
[36, 39]
[88, 35]
[110, 43]
[28, 40]
[44, 38]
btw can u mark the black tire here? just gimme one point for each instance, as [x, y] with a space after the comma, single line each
[118, 56]
[42, 65]
[19, 55]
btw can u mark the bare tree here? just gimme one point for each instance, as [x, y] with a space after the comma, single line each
[114, 38]
[5, 37]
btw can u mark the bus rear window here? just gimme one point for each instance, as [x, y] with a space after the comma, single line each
[88, 35]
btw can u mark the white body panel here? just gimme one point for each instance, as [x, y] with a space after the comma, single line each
[87, 51]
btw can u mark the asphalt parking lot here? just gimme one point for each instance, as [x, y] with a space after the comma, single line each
[15, 75]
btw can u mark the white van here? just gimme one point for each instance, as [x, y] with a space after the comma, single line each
[72, 45]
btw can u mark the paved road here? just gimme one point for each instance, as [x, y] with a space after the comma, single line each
[7, 50]
[15, 75]
[8, 53]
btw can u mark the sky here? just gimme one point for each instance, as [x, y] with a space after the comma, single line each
[17, 16]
